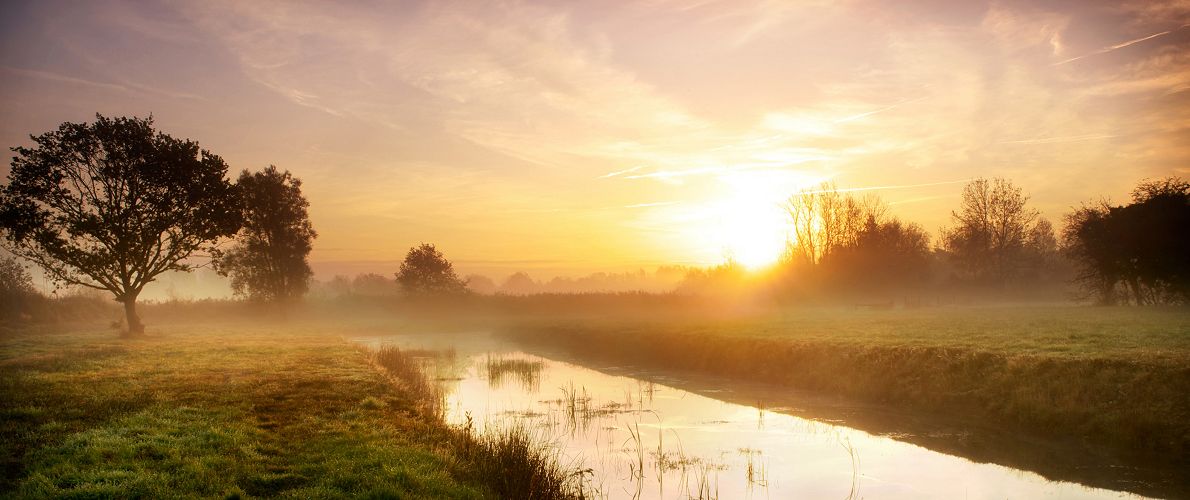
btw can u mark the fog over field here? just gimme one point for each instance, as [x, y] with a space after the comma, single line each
[654, 249]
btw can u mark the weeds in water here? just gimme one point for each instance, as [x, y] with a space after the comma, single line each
[755, 472]
[854, 455]
[524, 371]
[514, 462]
[637, 469]
[704, 489]
[407, 371]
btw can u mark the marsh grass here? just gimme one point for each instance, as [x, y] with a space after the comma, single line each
[516, 462]
[408, 369]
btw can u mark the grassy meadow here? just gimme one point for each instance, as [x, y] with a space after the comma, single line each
[1116, 377]
[235, 412]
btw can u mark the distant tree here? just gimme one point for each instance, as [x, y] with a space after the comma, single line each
[519, 283]
[823, 219]
[726, 279]
[846, 244]
[113, 204]
[337, 286]
[993, 228]
[479, 283]
[426, 271]
[268, 261]
[1138, 253]
[373, 284]
[14, 278]
[884, 256]
[16, 289]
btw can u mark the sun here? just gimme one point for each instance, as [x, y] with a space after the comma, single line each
[752, 232]
[750, 220]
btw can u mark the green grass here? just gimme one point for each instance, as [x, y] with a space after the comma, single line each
[1051, 331]
[213, 412]
[1119, 377]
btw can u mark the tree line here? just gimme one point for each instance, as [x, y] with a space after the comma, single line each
[1137, 253]
[113, 204]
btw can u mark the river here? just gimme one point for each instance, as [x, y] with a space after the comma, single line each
[651, 436]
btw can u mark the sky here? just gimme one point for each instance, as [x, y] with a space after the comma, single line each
[572, 137]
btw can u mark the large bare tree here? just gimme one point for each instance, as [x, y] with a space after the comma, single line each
[113, 204]
[993, 230]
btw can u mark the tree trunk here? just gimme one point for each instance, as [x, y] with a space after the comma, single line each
[135, 327]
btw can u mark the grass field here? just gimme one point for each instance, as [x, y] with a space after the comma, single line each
[1119, 377]
[226, 411]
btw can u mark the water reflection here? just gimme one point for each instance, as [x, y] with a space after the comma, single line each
[649, 439]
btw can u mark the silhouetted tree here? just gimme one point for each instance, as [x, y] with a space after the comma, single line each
[426, 272]
[847, 244]
[111, 205]
[373, 284]
[823, 219]
[1138, 253]
[993, 229]
[268, 261]
[480, 284]
[885, 256]
[519, 283]
[16, 289]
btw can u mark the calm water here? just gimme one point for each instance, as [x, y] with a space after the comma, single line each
[646, 439]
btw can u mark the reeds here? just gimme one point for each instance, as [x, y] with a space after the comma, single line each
[526, 372]
[513, 461]
[408, 372]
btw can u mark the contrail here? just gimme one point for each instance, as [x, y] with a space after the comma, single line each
[654, 204]
[1122, 45]
[881, 110]
[878, 188]
[620, 172]
[1052, 140]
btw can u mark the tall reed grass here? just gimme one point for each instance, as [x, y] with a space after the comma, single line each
[513, 462]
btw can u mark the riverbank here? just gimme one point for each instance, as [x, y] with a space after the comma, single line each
[226, 411]
[1116, 378]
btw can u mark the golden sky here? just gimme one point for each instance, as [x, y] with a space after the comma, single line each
[570, 137]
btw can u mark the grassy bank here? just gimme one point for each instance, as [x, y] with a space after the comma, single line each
[1114, 377]
[220, 412]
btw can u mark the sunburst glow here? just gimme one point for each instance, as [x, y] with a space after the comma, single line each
[749, 220]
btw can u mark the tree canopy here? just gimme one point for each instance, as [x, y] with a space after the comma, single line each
[113, 204]
[268, 261]
[997, 238]
[1138, 253]
[852, 245]
[426, 271]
